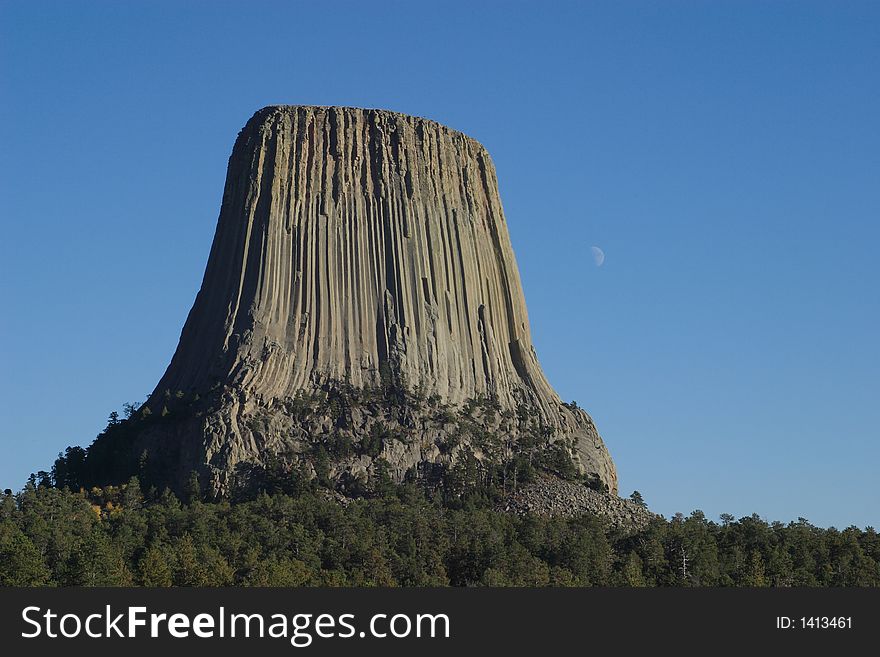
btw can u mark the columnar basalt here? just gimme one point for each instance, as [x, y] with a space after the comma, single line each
[365, 250]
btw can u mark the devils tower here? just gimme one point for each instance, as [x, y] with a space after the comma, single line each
[361, 308]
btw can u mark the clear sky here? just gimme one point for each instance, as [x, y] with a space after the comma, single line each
[724, 155]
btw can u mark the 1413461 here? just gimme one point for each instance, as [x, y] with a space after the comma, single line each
[814, 623]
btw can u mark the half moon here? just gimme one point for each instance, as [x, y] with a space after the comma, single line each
[598, 255]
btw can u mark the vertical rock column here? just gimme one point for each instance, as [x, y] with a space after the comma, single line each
[354, 244]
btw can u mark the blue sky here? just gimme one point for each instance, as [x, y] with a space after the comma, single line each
[725, 155]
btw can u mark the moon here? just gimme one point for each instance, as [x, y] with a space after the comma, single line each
[598, 255]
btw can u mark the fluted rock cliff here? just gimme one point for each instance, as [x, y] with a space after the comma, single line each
[360, 255]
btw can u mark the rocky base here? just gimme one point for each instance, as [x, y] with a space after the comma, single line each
[552, 497]
[343, 437]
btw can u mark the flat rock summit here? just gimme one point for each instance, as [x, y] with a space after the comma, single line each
[361, 315]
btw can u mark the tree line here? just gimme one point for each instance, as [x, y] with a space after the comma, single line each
[398, 536]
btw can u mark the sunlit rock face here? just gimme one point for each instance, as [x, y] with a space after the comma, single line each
[360, 257]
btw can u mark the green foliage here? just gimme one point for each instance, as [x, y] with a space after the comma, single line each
[68, 467]
[69, 527]
[636, 497]
[374, 443]
[193, 488]
[401, 536]
[20, 562]
[155, 566]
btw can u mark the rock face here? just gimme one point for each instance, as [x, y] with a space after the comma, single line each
[551, 497]
[358, 251]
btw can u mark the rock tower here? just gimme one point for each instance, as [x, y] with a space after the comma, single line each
[361, 303]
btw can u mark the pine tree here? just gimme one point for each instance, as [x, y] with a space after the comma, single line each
[637, 498]
[754, 575]
[20, 562]
[97, 562]
[155, 569]
[188, 569]
[632, 571]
